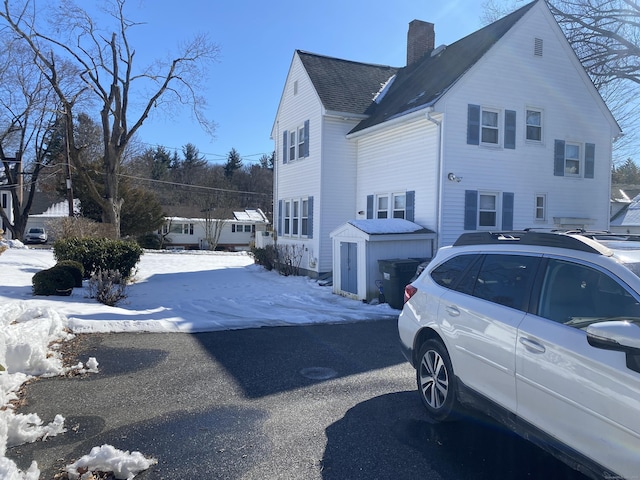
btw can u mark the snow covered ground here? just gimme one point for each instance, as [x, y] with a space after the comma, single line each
[171, 292]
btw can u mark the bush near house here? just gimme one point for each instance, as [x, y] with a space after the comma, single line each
[75, 269]
[97, 254]
[56, 280]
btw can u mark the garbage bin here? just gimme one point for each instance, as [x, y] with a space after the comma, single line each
[396, 274]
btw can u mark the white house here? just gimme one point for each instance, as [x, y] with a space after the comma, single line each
[500, 130]
[236, 234]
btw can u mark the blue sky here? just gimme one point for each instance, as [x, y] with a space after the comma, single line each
[257, 41]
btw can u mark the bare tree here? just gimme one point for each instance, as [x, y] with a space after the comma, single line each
[109, 78]
[605, 34]
[28, 122]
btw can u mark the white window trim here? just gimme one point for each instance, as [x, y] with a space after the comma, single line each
[390, 211]
[293, 146]
[542, 208]
[289, 222]
[300, 144]
[498, 209]
[580, 159]
[526, 125]
[498, 127]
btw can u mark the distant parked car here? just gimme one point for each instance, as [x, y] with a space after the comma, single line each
[36, 235]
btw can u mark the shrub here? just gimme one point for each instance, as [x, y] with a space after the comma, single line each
[53, 281]
[99, 254]
[76, 227]
[151, 241]
[75, 269]
[265, 257]
[108, 287]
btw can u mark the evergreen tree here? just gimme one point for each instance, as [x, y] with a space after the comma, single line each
[234, 163]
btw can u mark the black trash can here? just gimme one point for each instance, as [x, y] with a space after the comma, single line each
[396, 274]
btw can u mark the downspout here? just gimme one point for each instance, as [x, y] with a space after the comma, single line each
[439, 187]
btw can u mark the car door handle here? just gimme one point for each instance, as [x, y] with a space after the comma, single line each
[453, 310]
[532, 345]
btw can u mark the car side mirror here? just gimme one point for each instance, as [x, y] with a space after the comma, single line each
[621, 336]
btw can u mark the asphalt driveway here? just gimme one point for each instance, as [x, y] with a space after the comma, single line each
[313, 402]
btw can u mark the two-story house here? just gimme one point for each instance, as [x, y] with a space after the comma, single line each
[500, 130]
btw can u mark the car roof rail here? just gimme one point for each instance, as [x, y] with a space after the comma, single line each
[528, 237]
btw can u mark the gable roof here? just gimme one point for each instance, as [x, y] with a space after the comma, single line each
[342, 85]
[629, 216]
[421, 84]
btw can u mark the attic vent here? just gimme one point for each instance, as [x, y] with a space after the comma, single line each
[537, 47]
[295, 87]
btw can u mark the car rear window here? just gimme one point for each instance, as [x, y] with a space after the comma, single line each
[448, 273]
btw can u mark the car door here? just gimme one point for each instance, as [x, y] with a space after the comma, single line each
[481, 318]
[583, 396]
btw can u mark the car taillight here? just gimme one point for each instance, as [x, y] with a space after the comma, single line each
[409, 291]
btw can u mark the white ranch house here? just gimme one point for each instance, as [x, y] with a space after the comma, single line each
[500, 130]
[237, 234]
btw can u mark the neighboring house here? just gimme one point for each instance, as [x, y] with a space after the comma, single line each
[235, 234]
[501, 130]
[627, 218]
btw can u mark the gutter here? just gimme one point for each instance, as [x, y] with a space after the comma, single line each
[438, 125]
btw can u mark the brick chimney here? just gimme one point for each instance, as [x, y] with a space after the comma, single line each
[421, 40]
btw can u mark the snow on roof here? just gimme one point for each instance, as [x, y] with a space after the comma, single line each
[381, 226]
[250, 216]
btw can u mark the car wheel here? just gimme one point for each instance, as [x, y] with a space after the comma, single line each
[436, 381]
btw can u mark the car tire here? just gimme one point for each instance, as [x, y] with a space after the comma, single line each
[436, 381]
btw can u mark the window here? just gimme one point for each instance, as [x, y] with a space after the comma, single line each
[391, 206]
[295, 218]
[541, 204]
[578, 295]
[304, 218]
[534, 125]
[488, 210]
[178, 228]
[571, 159]
[490, 132]
[301, 145]
[292, 145]
[450, 272]
[383, 207]
[399, 205]
[505, 279]
[287, 218]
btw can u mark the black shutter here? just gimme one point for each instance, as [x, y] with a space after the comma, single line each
[589, 160]
[507, 210]
[306, 138]
[473, 124]
[310, 218]
[558, 158]
[510, 129]
[285, 147]
[410, 205]
[369, 206]
[470, 209]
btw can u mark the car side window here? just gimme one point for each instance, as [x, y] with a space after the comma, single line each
[578, 295]
[450, 272]
[506, 279]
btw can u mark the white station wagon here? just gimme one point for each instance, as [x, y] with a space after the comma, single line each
[540, 330]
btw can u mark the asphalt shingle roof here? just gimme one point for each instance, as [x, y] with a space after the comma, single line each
[422, 83]
[343, 85]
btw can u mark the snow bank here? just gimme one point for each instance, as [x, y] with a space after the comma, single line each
[106, 458]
